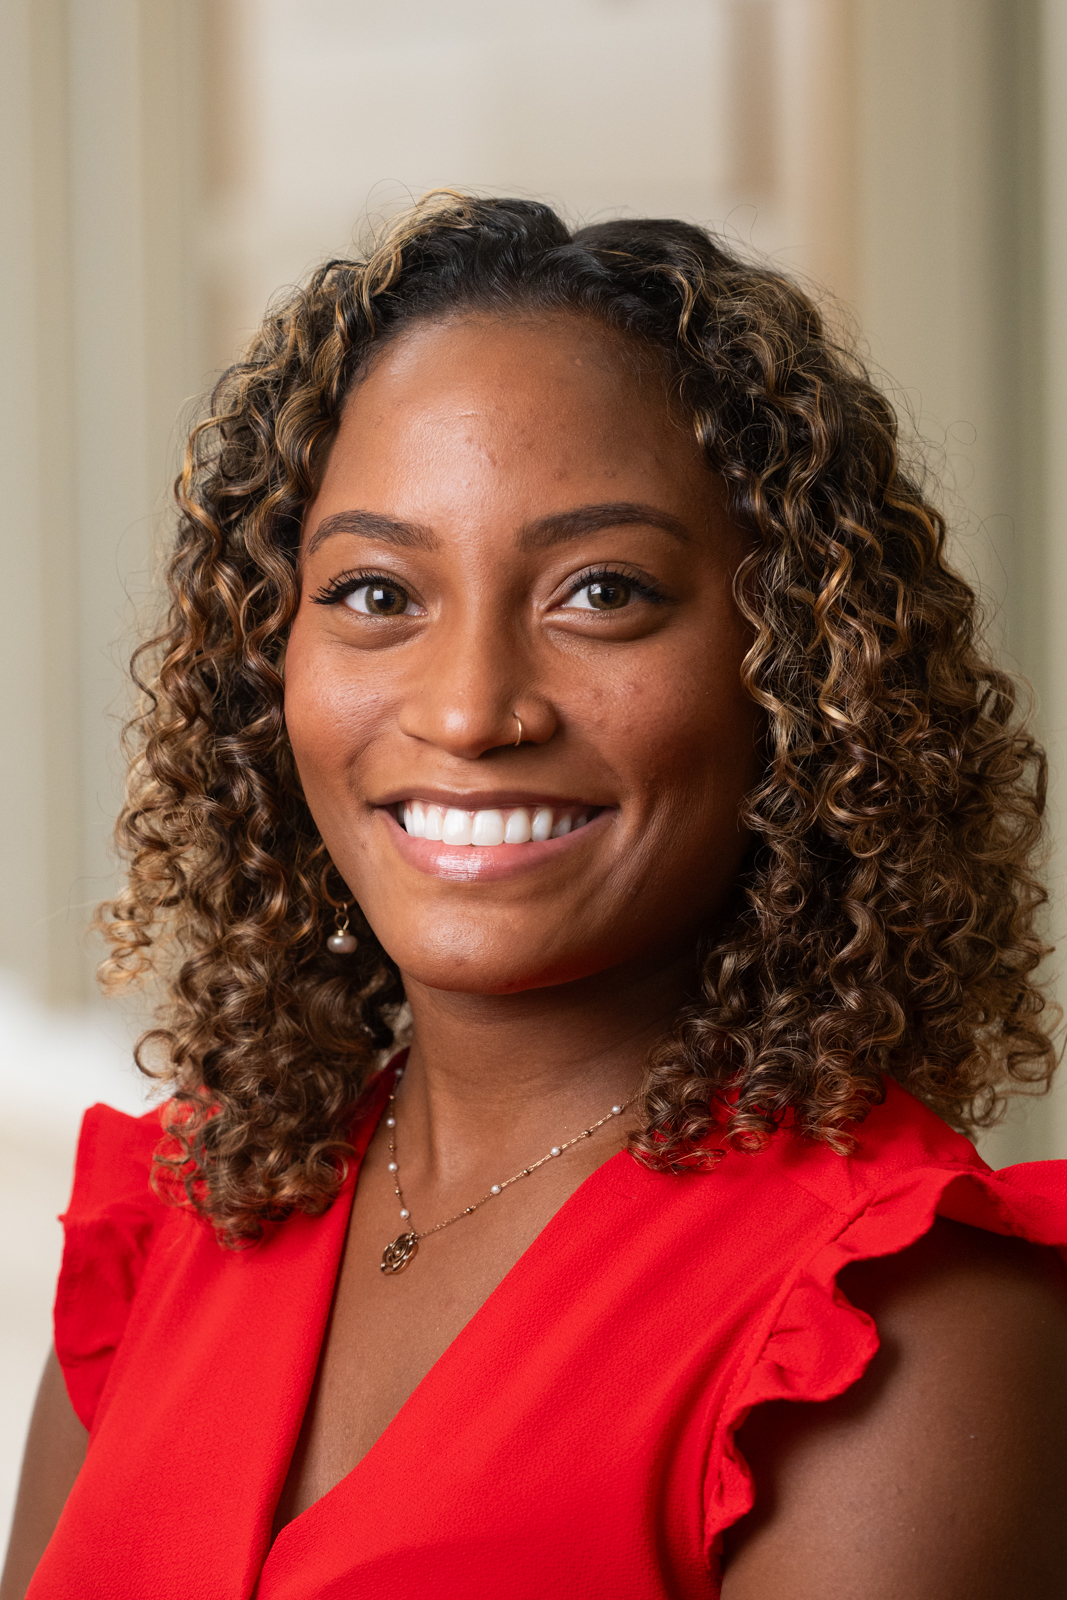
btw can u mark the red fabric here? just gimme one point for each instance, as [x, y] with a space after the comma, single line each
[109, 1228]
[577, 1436]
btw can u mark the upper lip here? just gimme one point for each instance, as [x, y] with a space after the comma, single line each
[483, 799]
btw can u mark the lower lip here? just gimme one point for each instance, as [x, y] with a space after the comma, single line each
[489, 863]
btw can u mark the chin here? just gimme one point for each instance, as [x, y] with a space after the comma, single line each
[489, 978]
[491, 966]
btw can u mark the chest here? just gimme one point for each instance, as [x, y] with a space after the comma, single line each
[565, 1436]
[386, 1331]
[546, 1391]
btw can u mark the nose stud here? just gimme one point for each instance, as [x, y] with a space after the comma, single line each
[518, 719]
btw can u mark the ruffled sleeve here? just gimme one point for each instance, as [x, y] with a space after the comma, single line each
[819, 1343]
[109, 1227]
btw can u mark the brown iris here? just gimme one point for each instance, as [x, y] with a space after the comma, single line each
[385, 600]
[608, 595]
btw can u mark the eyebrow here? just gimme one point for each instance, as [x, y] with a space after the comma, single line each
[560, 528]
[567, 525]
[371, 525]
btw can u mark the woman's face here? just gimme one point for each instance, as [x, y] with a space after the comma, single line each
[512, 524]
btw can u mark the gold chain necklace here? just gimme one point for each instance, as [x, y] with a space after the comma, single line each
[405, 1246]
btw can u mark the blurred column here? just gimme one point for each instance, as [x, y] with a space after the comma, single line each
[956, 120]
[944, 92]
[101, 347]
[40, 795]
[1048, 608]
[819, 153]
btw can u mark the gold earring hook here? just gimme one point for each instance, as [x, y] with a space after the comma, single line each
[518, 719]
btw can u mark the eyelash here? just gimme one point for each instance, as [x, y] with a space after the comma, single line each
[347, 583]
[639, 586]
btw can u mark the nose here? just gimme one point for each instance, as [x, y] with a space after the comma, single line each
[474, 690]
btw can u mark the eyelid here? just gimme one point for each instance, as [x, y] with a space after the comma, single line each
[346, 583]
[639, 582]
[338, 589]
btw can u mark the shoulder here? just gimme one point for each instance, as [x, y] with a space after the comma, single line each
[110, 1226]
[920, 1444]
[113, 1163]
[943, 1469]
[972, 1326]
[905, 1168]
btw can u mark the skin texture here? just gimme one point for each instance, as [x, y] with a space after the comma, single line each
[467, 449]
[535, 999]
[463, 434]
[943, 1472]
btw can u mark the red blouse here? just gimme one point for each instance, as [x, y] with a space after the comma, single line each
[577, 1436]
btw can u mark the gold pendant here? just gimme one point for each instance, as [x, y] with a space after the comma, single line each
[396, 1256]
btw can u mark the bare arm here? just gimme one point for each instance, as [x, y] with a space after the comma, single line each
[55, 1450]
[942, 1474]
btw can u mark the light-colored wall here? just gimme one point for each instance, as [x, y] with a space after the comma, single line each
[732, 111]
[165, 165]
[958, 288]
[100, 346]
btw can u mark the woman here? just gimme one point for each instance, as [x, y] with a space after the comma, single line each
[558, 646]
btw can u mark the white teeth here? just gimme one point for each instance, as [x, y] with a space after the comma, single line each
[435, 818]
[518, 828]
[457, 826]
[541, 826]
[490, 827]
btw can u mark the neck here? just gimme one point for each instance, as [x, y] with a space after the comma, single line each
[539, 1064]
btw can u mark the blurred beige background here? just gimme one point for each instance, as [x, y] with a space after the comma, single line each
[166, 165]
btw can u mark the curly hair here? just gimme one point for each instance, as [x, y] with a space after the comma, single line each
[885, 921]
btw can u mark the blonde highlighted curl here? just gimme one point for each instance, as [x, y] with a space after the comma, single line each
[885, 920]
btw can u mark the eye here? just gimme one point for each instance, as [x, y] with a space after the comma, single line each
[380, 599]
[609, 589]
[371, 594]
[609, 593]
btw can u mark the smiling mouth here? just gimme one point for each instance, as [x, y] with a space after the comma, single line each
[510, 825]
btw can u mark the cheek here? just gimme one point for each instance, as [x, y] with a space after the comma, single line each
[690, 726]
[330, 713]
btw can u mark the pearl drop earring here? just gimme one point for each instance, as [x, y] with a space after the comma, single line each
[341, 942]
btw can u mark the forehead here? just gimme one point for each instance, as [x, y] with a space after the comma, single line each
[531, 405]
[562, 347]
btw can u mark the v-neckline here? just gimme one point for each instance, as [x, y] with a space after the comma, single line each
[431, 1376]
